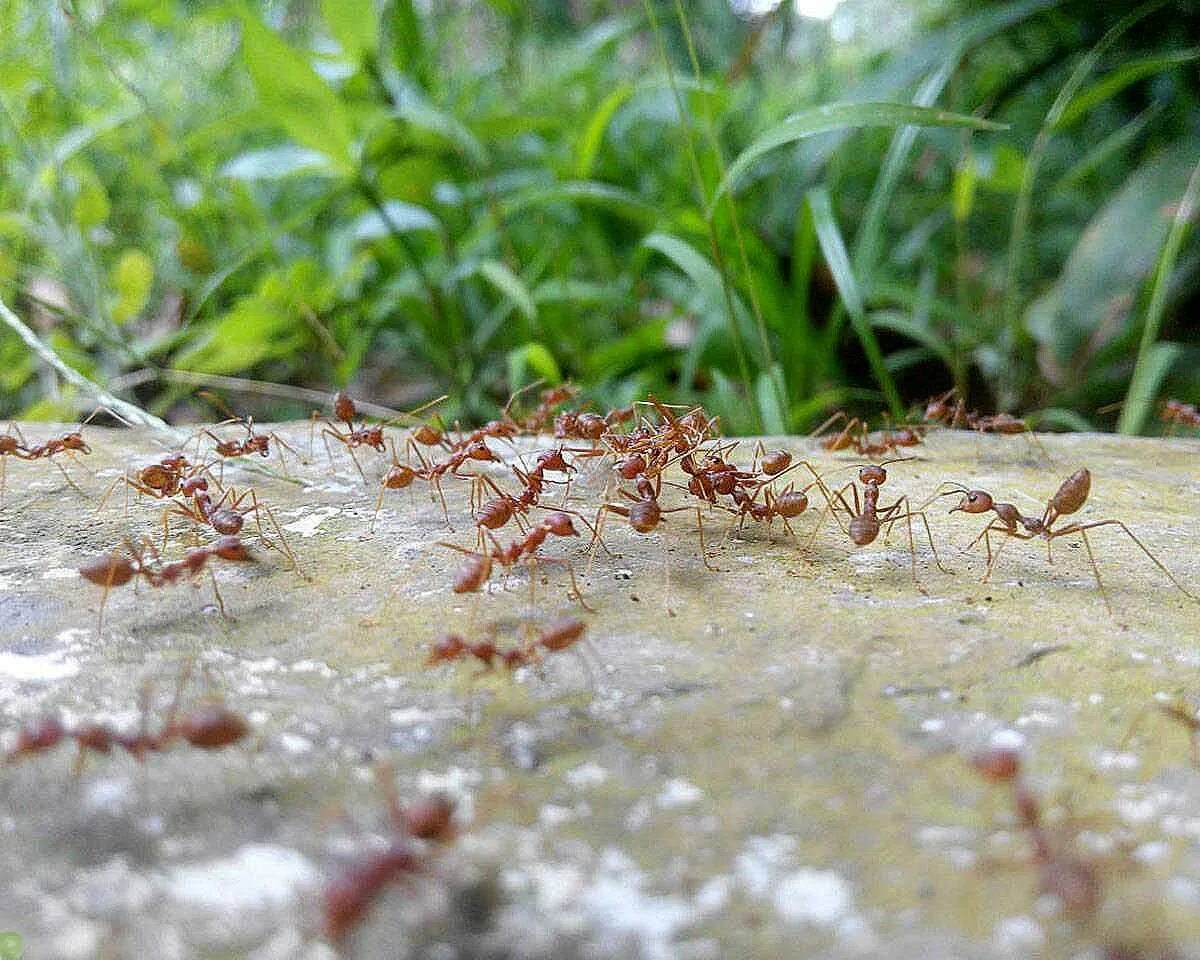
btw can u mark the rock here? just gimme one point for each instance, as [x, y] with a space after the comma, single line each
[779, 768]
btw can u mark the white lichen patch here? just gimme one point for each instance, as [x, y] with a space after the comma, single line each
[310, 523]
[37, 667]
[257, 876]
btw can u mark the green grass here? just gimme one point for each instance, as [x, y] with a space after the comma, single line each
[667, 198]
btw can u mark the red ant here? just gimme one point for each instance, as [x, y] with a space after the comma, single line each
[477, 569]
[560, 635]
[345, 410]
[254, 443]
[1176, 413]
[867, 519]
[116, 570]
[13, 444]
[347, 899]
[223, 515]
[867, 444]
[1070, 497]
[1060, 875]
[949, 410]
[208, 726]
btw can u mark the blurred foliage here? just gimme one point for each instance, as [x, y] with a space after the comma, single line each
[415, 198]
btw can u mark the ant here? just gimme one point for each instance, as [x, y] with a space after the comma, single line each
[477, 569]
[948, 410]
[867, 519]
[1060, 875]
[254, 443]
[347, 899]
[346, 411]
[560, 635]
[864, 443]
[1176, 413]
[1070, 497]
[116, 570]
[223, 515]
[208, 726]
[13, 444]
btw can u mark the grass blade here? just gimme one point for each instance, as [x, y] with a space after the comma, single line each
[1154, 359]
[836, 116]
[834, 249]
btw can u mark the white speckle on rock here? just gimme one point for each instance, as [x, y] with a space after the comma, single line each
[553, 815]
[1154, 851]
[1007, 739]
[308, 525]
[257, 876]
[677, 793]
[1116, 761]
[617, 905]
[59, 573]
[37, 667]
[586, 775]
[760, 860]
[408, 716]
[1017, 934]
[107, 796]
[820, 897]
[455, 783]
[714, 894]
[294, 743]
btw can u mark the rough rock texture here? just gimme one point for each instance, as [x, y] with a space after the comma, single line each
[781, 768]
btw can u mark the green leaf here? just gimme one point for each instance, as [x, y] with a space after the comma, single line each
[1154, 359]
[132, 277]
[838, 261]
[870, 232]
[401, 216]
[511, 286]
[768, 390]
[408, 43]
[294, 96]
[1117, 80]
[905, 326]
[532, 358]
[353, 24]
[274, 163]
[1090, 302]
[964, 188]
[835, 116]
[1152, 368]
[91, 206]
[593, 134]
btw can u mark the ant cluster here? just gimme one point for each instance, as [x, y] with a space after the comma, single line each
[655, 450]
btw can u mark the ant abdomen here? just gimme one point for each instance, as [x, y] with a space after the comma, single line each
[1073, 493]
[791, 503]
[211, 727]
[644, 515]
[108, 571]
[776, 461]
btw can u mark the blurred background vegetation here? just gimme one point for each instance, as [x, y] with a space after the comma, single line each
[456, 196]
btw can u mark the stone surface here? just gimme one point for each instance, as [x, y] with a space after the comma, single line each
[778, 769]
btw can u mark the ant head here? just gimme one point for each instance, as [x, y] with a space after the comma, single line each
[191, 486]
[872, 475]
[553, 460]
[974, 501]
[431, 818]
[231, 548]
[560, 524]
[998, 764]
[75, 441]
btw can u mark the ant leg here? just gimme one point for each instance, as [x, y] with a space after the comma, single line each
[1096, 570]
[217, 593]
[378, 505]
[1081, 527]
[703, 549]
[666, 575]
[932, 546]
